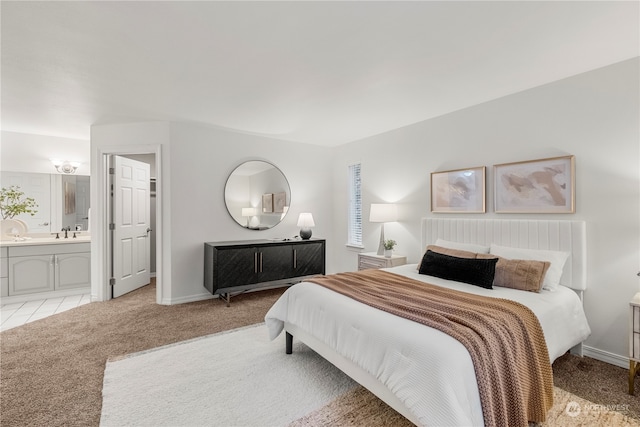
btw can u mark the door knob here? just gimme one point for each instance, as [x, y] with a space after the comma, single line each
[148, 229]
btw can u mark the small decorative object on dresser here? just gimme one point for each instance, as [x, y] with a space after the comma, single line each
[634, 340]
[372, 260]
[305, 222]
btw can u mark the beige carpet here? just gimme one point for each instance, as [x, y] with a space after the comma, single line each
[355, 406]
[51, 370]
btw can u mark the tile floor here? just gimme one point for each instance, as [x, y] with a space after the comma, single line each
[18, 313]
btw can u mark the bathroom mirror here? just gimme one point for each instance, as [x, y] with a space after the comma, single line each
[63, 200]
[257, 195]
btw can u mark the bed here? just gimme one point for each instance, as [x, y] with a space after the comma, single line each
[424, 374]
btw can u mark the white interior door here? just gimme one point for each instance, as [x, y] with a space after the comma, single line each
[131, 219]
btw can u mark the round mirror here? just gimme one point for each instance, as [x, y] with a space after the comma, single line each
[257, 195]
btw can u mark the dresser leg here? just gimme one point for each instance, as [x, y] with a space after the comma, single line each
[634, 368]
[226, 297]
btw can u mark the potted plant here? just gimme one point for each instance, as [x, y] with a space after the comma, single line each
[13, 203]
[389, 244]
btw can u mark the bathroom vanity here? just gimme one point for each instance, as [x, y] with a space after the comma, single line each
[45, 266]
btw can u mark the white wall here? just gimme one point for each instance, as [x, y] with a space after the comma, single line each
[196, 161]
[23, 152]
[201, 160]
[594, 116]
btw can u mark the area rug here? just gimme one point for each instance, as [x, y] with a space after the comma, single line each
[240, 378]
[234, 378]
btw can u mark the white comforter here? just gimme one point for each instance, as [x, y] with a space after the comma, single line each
[431, 373]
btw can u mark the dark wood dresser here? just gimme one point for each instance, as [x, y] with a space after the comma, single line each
[237, 266]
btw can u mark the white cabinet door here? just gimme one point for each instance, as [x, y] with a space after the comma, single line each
[73, 270]
[51, 272]
[4, 273]
[4, 286]
[31, 274]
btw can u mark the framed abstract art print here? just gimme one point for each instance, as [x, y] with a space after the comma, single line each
[458, 191]
[535, 186]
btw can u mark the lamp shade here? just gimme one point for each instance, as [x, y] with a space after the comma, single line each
[383, 212]
[249, 211]
[305, 220]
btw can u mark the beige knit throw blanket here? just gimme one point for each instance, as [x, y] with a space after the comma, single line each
[503, 337]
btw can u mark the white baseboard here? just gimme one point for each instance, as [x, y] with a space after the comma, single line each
[605, 356]
[190, 298]
[45, 295]
[206, 295]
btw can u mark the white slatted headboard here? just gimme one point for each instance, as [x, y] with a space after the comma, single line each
[569, 236]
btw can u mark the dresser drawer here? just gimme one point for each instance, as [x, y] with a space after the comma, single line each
[373, 260]
[367, 262]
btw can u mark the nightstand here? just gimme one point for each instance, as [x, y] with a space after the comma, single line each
[373, 260]
[634, 340]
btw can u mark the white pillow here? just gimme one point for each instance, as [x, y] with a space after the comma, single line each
[471, 247]
[556, 258]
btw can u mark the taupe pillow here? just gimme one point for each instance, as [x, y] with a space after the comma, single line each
[453, 252]
[525, 275]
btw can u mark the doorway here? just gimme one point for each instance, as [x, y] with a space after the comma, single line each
[130, 224]
[102, 246]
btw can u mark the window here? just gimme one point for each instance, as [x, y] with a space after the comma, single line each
[355, 207]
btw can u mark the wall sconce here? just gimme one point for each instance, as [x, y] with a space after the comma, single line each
[305, 221]
[383, 212]
[65, 166]
[249, 212]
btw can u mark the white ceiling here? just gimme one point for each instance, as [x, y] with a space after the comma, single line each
[323, 73]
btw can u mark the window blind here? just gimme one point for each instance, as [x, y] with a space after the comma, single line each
[355, 206]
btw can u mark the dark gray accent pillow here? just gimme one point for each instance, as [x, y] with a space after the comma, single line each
[478, 272]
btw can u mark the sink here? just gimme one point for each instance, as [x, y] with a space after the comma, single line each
[45, 240]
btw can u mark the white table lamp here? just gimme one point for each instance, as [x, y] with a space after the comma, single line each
[305, 222]
[383, 212]
[249, 212]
